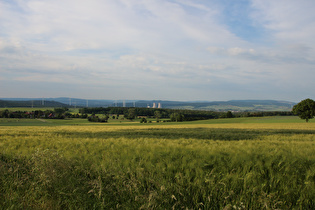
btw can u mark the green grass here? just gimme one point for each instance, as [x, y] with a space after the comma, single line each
[41, 122]
[69, 121]
[125, 122]
[272, 119]
[262, 163]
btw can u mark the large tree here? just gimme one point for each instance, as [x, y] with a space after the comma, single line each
[305, 109]
[157, 115]
[131, 114]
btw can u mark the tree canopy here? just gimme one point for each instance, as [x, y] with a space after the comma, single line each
[305, 109]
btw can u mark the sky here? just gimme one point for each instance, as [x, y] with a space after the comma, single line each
[184, 50]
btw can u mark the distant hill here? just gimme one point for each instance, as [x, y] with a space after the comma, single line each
[84, 102]
[233, 105]
[30, 103]
[63, 102]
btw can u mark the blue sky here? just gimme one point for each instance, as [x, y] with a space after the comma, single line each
[158, 49]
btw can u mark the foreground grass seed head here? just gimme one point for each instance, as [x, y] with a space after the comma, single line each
[210, 166]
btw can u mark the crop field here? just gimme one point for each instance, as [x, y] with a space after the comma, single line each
[257, 163]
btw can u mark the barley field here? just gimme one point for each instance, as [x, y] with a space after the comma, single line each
[262, 164]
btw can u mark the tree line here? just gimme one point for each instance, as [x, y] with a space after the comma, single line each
[174, 115]
[57, 113]
[305, 110]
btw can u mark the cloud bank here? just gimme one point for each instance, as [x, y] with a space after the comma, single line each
[157, 49]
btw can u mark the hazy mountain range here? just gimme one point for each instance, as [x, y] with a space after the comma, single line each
[233, 105]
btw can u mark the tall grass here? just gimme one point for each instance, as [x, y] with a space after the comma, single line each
[149, 167]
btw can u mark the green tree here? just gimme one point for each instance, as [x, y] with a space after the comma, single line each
[143, 120]
[173, 117]
[229, 114]
[61, 110]
[157, 115]
[176, 117]
[5, 113]
[305, 109]
[131, 114]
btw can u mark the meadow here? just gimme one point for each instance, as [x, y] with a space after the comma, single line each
[240, 163]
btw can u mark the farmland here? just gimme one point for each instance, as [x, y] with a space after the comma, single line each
[240, 163]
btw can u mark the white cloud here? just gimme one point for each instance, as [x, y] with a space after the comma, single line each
[239, 51]
[290, 20]
[234, 51]
[69, 25]
[181, 44]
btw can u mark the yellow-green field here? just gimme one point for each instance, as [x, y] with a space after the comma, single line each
[258, 163]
